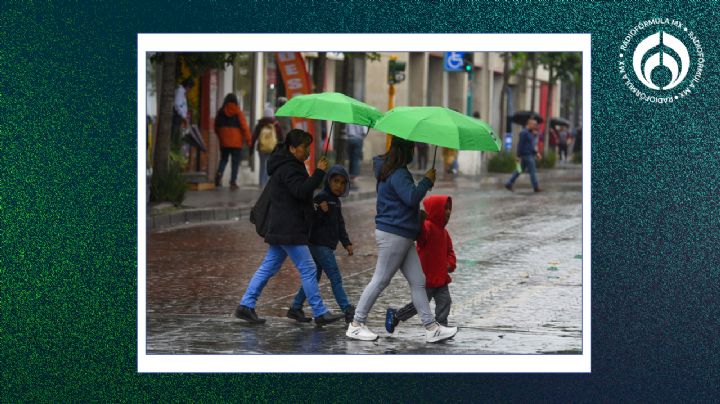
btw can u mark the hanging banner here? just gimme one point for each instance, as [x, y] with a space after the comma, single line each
[296, 80]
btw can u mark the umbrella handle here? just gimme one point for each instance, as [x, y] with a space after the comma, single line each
[434, 156]
[327, 141]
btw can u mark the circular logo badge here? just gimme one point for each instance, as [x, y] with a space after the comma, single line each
[661, 60]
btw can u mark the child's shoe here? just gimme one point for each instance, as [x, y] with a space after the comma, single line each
[349, 314]
[328, 318]
[437, 332]
[361, 332]
[391, 320]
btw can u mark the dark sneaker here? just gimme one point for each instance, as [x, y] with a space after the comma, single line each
[328, 318]
[248, 314]
[537, 190]
[349, 314]
[391, 320]
[508, 187]
[233, 186]
[218, 179]
[298, 314]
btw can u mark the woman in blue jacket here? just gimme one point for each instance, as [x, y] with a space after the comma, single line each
[397, 225]
[291, 193]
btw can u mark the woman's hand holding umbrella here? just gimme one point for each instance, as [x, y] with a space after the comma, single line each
[430, 174]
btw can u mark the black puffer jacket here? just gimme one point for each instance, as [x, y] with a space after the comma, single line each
[291, 194]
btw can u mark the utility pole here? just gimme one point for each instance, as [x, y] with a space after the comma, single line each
[396, 74]
[468, 65]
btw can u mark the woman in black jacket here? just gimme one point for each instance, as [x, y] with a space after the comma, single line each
[291, 192]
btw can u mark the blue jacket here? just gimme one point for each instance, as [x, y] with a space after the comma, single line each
[398, 201]
[329, 227]
[526, 145]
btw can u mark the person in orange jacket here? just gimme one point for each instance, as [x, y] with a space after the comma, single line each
[231, 128]
[434, 246]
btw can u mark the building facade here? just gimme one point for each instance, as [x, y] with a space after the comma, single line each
[257, 81]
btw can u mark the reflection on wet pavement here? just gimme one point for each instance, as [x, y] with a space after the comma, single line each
[517, 288]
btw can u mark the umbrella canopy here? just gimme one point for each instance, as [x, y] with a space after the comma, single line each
[521, 117]
[559, 122]
[330, 106]
[439, 126]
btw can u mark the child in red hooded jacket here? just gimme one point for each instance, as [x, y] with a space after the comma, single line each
[434, 246]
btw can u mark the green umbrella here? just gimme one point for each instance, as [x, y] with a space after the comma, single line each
[439, 126]
[331, 107]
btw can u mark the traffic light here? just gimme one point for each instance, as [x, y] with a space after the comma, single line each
[396, 71]
[468, 61]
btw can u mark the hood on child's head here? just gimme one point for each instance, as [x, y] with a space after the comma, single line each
[435, 208]
[337, 169]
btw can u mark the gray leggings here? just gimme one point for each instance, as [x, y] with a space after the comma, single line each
[395, 252]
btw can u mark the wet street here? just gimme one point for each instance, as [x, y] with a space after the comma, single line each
[517, 288]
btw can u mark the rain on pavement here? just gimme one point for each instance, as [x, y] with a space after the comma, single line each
[517, 288]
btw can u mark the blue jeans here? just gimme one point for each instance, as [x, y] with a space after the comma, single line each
[354, 149]
[325, 260]
[529, 163]
[263, 168]
[225, 153]
[300, 256]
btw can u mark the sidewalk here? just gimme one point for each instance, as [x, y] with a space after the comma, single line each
[222, 204]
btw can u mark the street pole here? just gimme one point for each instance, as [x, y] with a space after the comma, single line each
[469, 94]
[391, 105]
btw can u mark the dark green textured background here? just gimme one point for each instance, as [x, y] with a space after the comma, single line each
[68, 205]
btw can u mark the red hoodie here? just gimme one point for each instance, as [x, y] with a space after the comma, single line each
[434, 245]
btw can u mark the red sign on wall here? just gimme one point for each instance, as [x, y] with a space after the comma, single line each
[295, 76]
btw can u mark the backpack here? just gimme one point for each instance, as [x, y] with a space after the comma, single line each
[267, 140]
[260, 211]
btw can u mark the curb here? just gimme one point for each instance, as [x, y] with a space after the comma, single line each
[195, 216]
[205, 215]
[208, 215]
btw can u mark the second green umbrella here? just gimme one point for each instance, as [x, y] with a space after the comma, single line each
[439, 126]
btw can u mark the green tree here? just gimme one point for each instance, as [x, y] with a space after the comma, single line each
[521, 63]
[198, 64]
[559, 66]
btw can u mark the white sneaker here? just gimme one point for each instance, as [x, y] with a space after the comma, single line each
[440, 333]
[361, 333]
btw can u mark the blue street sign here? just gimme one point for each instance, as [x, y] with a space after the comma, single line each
[454, 61]
[508, 141]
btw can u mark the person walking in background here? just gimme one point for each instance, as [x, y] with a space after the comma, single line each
[396, 227]
[231, 128]
[450, 157]
[434, 246]
[291, 193]
[554, 139]
[327, 229]
[563, 139]
[267, 134]
[355, 138]
[180, 111]
[526, 152]
[285, 121]
[577, 144]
